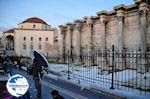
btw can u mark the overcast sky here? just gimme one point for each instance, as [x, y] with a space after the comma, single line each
[54, 12]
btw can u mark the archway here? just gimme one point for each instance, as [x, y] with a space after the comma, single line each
[9, 42]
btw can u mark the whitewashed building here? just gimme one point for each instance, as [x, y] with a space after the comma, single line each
[31, 34]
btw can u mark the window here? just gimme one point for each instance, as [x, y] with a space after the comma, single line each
[24, 38]
[22, 26]
[148, 47]
[47, 39]
[34, 26]
[24, 46]
[31, 38]
[40, 39]
[56, 39]
[31, 46]
[40, 47]
[92, 26]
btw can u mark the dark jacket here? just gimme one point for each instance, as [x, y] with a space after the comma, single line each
[36, 70]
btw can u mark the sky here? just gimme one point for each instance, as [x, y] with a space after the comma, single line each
[54, 12]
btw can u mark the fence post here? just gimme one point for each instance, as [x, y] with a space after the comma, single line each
[113, 65]
[68, 64]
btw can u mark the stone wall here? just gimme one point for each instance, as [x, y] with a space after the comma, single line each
[125, 27]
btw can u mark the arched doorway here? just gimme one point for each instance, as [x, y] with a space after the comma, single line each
[9, 42]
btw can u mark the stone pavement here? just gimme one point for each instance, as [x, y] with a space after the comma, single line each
[68, 91]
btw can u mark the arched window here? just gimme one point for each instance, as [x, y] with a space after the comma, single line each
[47, 39]
[40, 39]
[31, 46]
[24, 46]
[40, 46]
[56, 39]
[34, 26]
[24, 38]
[31, 38]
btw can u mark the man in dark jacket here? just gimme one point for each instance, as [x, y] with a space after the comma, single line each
[37, 76]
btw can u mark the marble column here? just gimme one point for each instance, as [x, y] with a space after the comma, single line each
[103, 17]
[103, 22]
[88, 24]
[62, 42]
[120, 12]
[69, 37]
[77, 30]
[143, 10]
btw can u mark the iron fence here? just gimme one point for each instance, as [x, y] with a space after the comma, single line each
[125, 70]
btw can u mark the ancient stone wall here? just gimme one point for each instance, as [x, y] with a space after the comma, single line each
[125, 27]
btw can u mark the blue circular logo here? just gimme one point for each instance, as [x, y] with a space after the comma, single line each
[17, 85]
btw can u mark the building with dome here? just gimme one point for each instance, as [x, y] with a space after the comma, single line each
[31, 34]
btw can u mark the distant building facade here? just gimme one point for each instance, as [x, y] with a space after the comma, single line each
[31, 34]
[126, 27]
[2, 49]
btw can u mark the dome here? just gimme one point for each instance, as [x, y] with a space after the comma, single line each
[10, 31]
[34, 20]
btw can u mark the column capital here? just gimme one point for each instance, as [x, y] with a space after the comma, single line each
[144, 8]
[87, 20]
[103, 16]
[70, 26]
[78, 24]
[120, 11]
[140, 1]
[62, 28]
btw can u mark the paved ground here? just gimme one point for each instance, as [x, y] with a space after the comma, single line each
[68, 91]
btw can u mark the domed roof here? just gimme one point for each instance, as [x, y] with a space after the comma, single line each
[9, 31]
[34, 20]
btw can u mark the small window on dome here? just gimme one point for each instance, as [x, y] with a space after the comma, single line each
[34, 26]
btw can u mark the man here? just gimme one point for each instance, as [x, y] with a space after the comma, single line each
[37, 76]
[56, 95]
[9, 67]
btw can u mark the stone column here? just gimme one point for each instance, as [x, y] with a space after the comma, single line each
[120, 11]
[88, 23]
[103, 21]
[69, 37]
[61, 41]
[144, 9]
[77, 31]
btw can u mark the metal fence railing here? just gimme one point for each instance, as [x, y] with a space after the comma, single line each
[126, 70]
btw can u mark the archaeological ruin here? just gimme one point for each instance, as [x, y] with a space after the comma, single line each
[126, 27]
